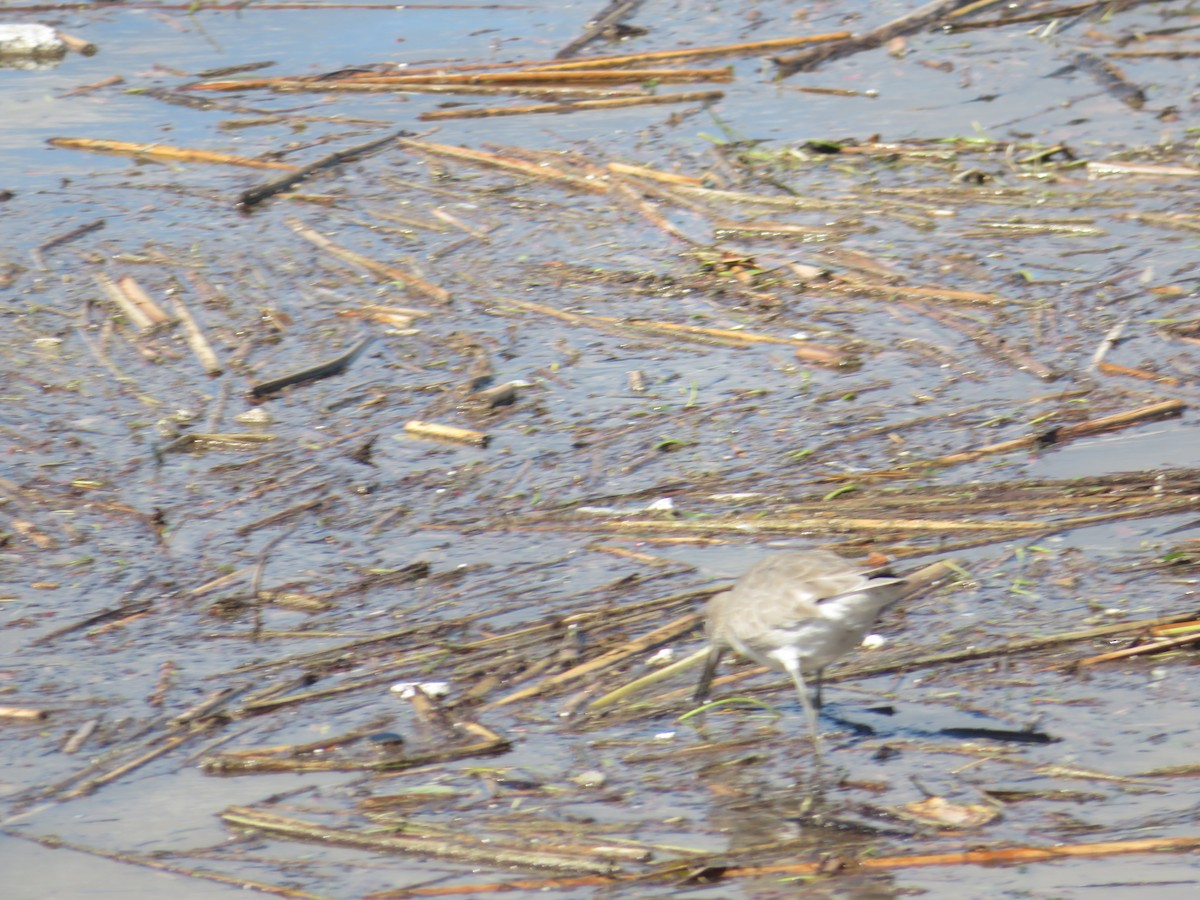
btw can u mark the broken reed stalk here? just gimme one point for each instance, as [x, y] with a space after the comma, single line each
[556, 76]
[507, 163]
[667, 632]
[162, 746]
[480, 90]
[726, 337]
[618, 168]
[623, 192]
[606, 22]
[818, 525]
[197, 342]
[257, 763]
[257, 194]
[126, 858]
[1161, 410]
[23, 713]
[450, 433]
[985, 857]
[896, 291]
[692, 52]
[408, 279]
[136, 316]
[161, 151]
[326, 369]
[1139, 650]
[462, 849]
[66, 237]
[638, 684]
[678, 872]
[573, 106]
[913, 21]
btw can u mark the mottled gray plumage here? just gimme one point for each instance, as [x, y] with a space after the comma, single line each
[797, 613]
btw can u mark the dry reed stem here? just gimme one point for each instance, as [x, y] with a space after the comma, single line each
[23, 713]
[719, 50]
[572, 106]
[1160, 410]
[238, 882]
[660, 635]
[679, 871]
[200, 347]
[408, 279]
[1140, 650]
[557, 76]
[451, 433]
[137, 297]
[162, 151]
[653, 174]
[495, 160]
[818, 525]
[137, 317]
[722, 336]
[464, 849]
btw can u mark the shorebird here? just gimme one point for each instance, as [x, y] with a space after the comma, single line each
[798, 612]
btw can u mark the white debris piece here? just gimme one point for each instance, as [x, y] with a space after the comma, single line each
[30, 40]
[662, 657]
[431, 689]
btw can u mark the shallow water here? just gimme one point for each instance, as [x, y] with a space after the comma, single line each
[98, 515]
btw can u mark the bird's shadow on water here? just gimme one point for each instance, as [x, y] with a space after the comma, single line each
[924, 722]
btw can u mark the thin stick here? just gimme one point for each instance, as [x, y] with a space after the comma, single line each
[576, 106]
[327, 369]
[1140, 650]
[133, 291]
[611, 15]
[383, 270]
[661, 635]
[451, 433]
[137, 317]
[1160, 410]
[720, 50]
[919, 18]
[196, 340]
[464, 849]
[255, 195]
[560, 76]
[65, 237]
[161, 151]
[635, 686]
[238, 882]
[481, 157]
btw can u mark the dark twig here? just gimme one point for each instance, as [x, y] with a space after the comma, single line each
[918, 19]
[255, 195]
[322, 370]
[608, 17]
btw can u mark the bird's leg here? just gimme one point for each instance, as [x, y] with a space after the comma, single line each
[817, 698]
[793, 669]
[710, 668]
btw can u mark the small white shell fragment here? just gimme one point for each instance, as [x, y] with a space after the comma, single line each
[256, 416]
[432, 689]
[590, 779]
[663, 503]
[662, 657]
[873, 641]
